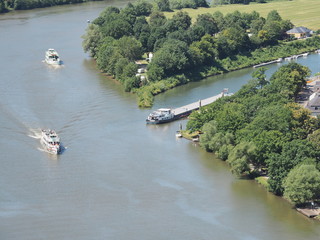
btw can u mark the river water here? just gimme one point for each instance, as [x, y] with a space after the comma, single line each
[118, 178]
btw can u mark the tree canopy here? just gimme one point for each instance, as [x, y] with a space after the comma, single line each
[261, 126]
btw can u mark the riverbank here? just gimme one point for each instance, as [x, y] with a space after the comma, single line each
[274, 53]
[9, 6]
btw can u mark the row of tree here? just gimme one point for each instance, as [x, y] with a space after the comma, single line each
[180, 48]
[224, 2]
[8, 5]
[161, 5]
[261, 127]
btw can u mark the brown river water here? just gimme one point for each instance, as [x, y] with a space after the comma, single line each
[118, 178]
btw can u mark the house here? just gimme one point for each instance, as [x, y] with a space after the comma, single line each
[299, 32]
[150, 56]
[314, 104]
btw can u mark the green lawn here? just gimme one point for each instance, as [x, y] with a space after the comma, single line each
[304, 13]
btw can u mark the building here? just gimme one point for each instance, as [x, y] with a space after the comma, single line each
[314, 100]
[299, 32]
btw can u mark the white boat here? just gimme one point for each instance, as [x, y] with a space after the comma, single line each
[52, 57]
[161, 115]
[178, 134]
[51, 141]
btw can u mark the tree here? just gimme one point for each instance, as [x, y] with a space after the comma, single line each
[289, 79]
[240, 157]
[129, 47]
[218, 17]
[205, 50]
[163, 5]
[279, 165]
[117, 28]
[257, 25]
[181, 20]
[173, 57]
[274, 16]
[260, 76]
[209, 130]
[207, 22]
[143, 8]
[157, 19]
[302, 184]
[92, 40]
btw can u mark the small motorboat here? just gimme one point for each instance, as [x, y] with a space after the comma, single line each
[51, 141]
[52, 57]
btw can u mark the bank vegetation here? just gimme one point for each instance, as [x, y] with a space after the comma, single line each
[183, 49]
[261, 131]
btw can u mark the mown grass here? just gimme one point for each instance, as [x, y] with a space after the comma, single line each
[300, 12]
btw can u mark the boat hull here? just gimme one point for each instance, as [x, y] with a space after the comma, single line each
[50, 62]
[51, 148]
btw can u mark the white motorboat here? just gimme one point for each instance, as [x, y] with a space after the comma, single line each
[52, 57]
[161, 115]
[178, 134]
[51, 141]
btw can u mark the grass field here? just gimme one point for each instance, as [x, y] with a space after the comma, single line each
[304, 13]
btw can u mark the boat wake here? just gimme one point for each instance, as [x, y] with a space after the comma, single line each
[35, 133]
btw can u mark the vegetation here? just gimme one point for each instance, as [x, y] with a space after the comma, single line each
[300, 12]
[183, 51]
[224, 2]
[8, 5]
[262, 128]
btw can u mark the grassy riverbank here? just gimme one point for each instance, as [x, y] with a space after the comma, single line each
[299, 12]
[233, 63]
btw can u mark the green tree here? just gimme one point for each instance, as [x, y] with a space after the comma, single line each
[209, 130]
[143, 8]
[172, 57]
[260, 76]
[274, 16]
[302, 184]
[240, 157]
[204, 51]
[92, 40]
[157, 19]
[279, 165]
[207, 22]
[163, 5]
[117, 28]
[129, 47]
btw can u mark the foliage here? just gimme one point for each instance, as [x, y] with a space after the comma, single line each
[302, 184]
[240, 157]
[265, 128]
[213, 44]
[6, 5]
[279, 164]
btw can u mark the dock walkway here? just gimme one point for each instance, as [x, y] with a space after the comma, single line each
[187, 109]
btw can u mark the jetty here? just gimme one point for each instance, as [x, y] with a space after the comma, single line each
[310, 213]
[164, 115]
[184, 111]
[296, 56]
[267, 63]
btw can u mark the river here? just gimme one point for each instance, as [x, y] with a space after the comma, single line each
[118, 178]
